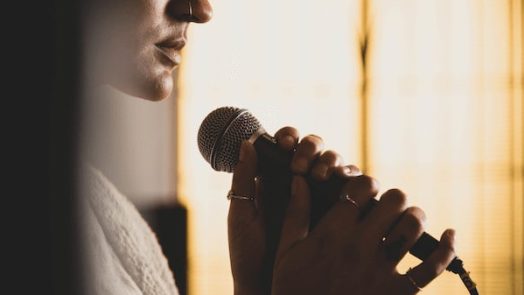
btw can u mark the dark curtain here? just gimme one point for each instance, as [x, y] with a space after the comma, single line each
[40, 94]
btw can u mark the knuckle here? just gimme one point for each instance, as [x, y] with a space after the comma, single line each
[367, 183]
[312, 141]
[417, 212]
[284, 135]
[414, 221]
[330, 156]
[288, 130]
[396, 196]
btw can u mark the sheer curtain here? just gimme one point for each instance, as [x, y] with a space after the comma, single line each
[441, 117]
[446, 126]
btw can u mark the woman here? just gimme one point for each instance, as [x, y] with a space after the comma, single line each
[134, 45]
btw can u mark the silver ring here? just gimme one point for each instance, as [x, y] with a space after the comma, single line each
[190, 8]
[346, 197]
[412, 281]
[231, 195]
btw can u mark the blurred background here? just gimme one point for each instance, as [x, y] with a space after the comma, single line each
[424, 95]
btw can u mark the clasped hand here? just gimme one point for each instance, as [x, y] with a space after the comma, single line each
[345, 253]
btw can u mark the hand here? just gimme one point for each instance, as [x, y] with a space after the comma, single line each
[251, 257]
[347, 253]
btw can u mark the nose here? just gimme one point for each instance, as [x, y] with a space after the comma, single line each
[202, 11]
[196, 11]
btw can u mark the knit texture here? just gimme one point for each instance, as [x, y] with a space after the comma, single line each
[123, 254]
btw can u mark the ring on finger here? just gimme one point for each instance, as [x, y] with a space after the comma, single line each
[231, 195]
[411, 280]
[348, 198]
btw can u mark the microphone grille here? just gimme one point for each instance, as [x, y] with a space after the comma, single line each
[221, 134]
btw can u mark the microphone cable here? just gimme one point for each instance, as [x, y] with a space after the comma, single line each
[427, 244]
[457, 267]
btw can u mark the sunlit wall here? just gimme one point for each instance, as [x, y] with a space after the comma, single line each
[442, 117]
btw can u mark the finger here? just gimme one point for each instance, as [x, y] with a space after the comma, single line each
[325, 165]
[342, 218]
[287, 138]
[347, 171]
[404, 235]
[385, 214]
[296, 221]
[307, 151]
[436, 263]
[244, 184]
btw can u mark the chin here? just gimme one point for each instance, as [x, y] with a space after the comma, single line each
[159, 89]
[153, 89]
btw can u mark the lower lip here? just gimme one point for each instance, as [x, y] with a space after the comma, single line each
[172, 55]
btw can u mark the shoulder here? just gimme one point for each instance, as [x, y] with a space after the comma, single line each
[126, 233]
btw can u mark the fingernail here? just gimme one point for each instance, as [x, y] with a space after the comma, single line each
[352, 171]
[288, 140]
[451, 235]
[243, 147]
[347, 170]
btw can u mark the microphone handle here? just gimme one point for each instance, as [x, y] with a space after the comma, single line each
[274, 169]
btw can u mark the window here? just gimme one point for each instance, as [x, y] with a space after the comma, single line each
[441, 117]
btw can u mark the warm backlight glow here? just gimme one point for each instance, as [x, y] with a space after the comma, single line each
[444, 115]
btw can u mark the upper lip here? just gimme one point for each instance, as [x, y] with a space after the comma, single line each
[173, 43]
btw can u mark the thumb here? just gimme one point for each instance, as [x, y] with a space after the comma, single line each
[296, 221]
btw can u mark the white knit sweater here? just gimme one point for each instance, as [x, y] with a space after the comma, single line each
[122, 253]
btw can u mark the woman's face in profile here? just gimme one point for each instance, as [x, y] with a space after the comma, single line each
[138, 42]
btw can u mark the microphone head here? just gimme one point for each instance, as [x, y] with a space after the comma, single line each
[221, 134]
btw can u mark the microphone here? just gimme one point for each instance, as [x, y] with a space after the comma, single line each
[219, 138]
